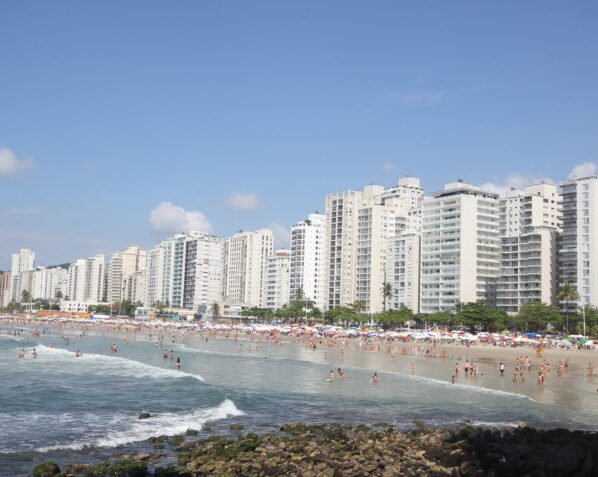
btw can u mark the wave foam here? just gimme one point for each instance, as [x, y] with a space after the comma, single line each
[103, 364]
[168, 424]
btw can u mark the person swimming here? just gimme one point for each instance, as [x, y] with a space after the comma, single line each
[22, 354]
[375, 378]
[340, 372]
[178, 363]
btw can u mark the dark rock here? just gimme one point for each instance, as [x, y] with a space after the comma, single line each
[46, 469]
[236, 427]
[144, 415]
[191, 432]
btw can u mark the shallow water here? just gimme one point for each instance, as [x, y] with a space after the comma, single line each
[84, 409]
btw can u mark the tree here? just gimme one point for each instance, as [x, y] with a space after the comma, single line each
[358, 306]
[25, 296]
[58, 295]
[394, 317]
[479, 315]
[386, 292]
[567, 294]
[216, 310]
[539, 315]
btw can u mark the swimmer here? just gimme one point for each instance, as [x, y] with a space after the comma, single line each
[178, 363]
[22, 354]
[331, 376]
[375, 378]
[341, 373]
[34, 353]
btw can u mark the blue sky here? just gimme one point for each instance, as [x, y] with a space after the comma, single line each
[245, 114]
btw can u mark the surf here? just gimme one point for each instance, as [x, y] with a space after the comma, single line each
[111, 365]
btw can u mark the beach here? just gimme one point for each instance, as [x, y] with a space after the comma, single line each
[85, 409]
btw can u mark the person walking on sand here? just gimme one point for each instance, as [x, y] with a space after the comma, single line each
[502, 368]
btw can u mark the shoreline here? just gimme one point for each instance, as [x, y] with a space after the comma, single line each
[345, 450]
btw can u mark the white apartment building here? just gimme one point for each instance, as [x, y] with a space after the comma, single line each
[528, 269]
[530, 221]
[44, 283]
[410, 191]
[185, 271]
[359, 225]
[22, 261]
[537, 204]
[276, 287]
[86, 280]
[245, 257]
[134, 287]
[578, 252]
[119, 270]
[460, 247]
[403, 270]
[308, 259]
[4, 288]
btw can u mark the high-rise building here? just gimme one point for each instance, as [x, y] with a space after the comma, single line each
[245, 256]
[276, 283]
[45, 283]
[460, 247]
[134, 286]
[530, 221]
[403, 270]
[578, 250]
[119, 270]
[359, 225]
[4, 289]
[308, 259]
[184, 271]
[22, 261]
[86, 280]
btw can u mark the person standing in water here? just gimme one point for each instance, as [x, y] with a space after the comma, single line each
[178, 362]
[375, 378]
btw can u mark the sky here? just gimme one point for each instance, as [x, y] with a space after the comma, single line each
[124, 122]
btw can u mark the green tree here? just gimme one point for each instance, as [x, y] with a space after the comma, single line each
[386, 293]
[479, 315]
[537, 316]
[216, 310]
[567, 294]
[25, 296]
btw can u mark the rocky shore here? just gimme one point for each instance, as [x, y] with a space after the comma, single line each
[336, 450]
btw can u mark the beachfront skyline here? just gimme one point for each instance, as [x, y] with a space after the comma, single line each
[250, 115]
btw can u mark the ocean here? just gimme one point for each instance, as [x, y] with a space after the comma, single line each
[68, 409]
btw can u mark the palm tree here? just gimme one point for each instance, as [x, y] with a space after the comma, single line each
[386, 292]
[567, 294]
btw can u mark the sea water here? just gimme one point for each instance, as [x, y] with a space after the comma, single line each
[68, 409]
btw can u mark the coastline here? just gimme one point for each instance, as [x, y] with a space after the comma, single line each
[344, 450]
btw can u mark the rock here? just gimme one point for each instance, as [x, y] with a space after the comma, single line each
[191, 432]
[466, 467]
[46, 469]
[236, 427]
[144, 415]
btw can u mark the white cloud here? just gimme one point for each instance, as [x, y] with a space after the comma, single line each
[388, 167]
[584, 169]
[513, 181]
[239, 202]
[10, 165]
[282, 235]
[170, 218]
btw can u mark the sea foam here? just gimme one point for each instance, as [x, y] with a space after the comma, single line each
[111, 365]
[136, 430]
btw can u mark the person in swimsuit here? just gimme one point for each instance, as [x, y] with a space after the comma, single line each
[375, 378]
